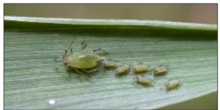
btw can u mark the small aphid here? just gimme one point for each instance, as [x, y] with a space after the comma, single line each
[123, 69]
[171, 84]
[109, 64]
[140, 68]
[160, 70]
[143, 81]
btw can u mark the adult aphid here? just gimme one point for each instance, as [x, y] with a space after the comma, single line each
[85, 60]
[122, 69]
[172, 84]
[142, 80]
[140, 68]
[159, 70]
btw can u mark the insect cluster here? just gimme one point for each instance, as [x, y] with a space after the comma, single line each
[143, 68]
[85, 62]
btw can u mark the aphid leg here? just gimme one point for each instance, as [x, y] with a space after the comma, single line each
[89, 71]
[84, 46]
[180, 84]
[134, 82]
[81, 73]
[71, 50]
[101, 50]
[151, 70]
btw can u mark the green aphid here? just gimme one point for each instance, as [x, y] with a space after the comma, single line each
[159, 70]
[109, 64]
[172, 84]
[122, 69]
[143, 81]
[140, 68]
[84, 60]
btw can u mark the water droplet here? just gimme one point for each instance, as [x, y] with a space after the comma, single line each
[52, 101]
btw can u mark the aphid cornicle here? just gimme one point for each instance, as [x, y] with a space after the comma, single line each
[143, 81]
[171, 84]
[160, 70]
[140, 68]
[84, 60]
[123, 69]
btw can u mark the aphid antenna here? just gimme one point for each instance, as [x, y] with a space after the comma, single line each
[180, 84]
[63, 69]
[111, 59]
[140, 63]
[151, 70]
[84, 46]
[162, 65]
[143, 75]
[135, 80]
[74, 38]
[152, 80]
[68, 47]
[161, 88]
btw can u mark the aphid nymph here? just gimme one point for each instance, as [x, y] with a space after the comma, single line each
[143, 81]
[109, 63]
[140, 68]
[159, 70]
[122, 69]
[84, 60]
[171, 84]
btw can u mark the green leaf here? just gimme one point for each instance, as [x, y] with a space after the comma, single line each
[31, 79]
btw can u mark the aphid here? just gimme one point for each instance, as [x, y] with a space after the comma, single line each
[140, 68]
[123, 69]
[171, 84]
[160, 70]
[143, 81]
[109, 64]
[82, 60]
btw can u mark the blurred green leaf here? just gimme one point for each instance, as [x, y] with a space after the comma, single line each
[31, 80]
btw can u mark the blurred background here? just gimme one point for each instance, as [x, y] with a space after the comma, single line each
[196, 13]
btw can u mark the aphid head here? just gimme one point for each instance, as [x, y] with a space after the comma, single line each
[137, 77]
[64, 60]
[167, 85]
[156, 72]
[134, 69]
